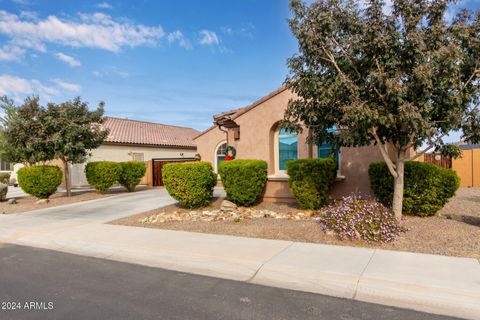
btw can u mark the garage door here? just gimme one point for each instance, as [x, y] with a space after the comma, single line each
[158, 165]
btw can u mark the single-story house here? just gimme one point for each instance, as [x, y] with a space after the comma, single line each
[254, 132]
[152, 143]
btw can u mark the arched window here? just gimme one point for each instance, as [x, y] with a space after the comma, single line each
[220, 154]
[287, 147]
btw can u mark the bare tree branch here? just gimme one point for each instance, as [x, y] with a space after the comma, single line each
[383, 151]
[431, 145]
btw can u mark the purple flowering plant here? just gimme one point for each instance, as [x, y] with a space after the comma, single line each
[356, 217]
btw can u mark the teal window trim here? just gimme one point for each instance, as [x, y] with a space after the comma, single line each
[287, 147]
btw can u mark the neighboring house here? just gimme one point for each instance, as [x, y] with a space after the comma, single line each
[149, 142]
[253, 131]
[467, 166]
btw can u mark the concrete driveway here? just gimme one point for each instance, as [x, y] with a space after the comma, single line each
[99, 210]
[93, 211]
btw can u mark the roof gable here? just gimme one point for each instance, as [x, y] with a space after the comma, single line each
[235, 113]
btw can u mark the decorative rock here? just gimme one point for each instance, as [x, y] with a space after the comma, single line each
[42, 201]
[228, 206]
[228, 212]
[12, 201]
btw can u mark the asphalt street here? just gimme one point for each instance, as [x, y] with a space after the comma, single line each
[45, 284]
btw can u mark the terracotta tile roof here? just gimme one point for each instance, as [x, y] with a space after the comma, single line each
[148, 133]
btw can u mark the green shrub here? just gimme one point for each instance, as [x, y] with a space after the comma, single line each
[40, 181]
[427, 187]
[3, 191]
[102, 174]
[131, 173]
[243, 180]
[190, 183]
[5, 177]
[310, 180]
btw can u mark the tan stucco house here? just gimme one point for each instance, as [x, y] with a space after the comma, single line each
[253, 131]
[153, 143]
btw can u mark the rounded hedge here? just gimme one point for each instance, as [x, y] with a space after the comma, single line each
[5, 177]
[40, 181]
[310, 180]
[131, 173]
[102, 174]
[427, 187]
[190, 183]
[243, 180]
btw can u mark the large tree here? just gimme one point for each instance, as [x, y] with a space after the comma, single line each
[74, 131]
[23, 133]
[65, 131]
[401, 78]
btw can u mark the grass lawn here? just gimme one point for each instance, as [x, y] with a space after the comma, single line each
[454, 231]
[28, 203]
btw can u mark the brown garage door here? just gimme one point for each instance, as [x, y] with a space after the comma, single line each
[158, 165]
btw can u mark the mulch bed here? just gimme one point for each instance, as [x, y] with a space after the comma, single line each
[449, 233]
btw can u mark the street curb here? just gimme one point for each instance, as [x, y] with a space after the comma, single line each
[422, 282]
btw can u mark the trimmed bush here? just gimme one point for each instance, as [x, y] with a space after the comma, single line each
[310, 180]
[102, 174]
[356, 218]
[190, 183]
[3, 191]
[40, 181]
[5, 177]
[427, 187]
[131, 173]
[243, 180]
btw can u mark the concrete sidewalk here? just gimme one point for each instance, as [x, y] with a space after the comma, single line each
[434, 284]
[430, 283]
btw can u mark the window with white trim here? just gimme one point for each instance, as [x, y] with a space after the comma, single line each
[6, 166]
[220, 154]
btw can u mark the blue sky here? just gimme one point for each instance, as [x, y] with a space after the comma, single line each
[174, 62]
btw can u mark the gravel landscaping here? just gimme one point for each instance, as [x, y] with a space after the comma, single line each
[29, 203]
[455, 231]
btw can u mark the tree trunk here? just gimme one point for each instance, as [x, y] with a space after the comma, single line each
[398, 185]
[66, 172]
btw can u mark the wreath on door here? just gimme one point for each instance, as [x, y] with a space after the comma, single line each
[230, 153]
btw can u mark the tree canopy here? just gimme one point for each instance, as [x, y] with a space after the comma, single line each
[67, 131]
[398, 79]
